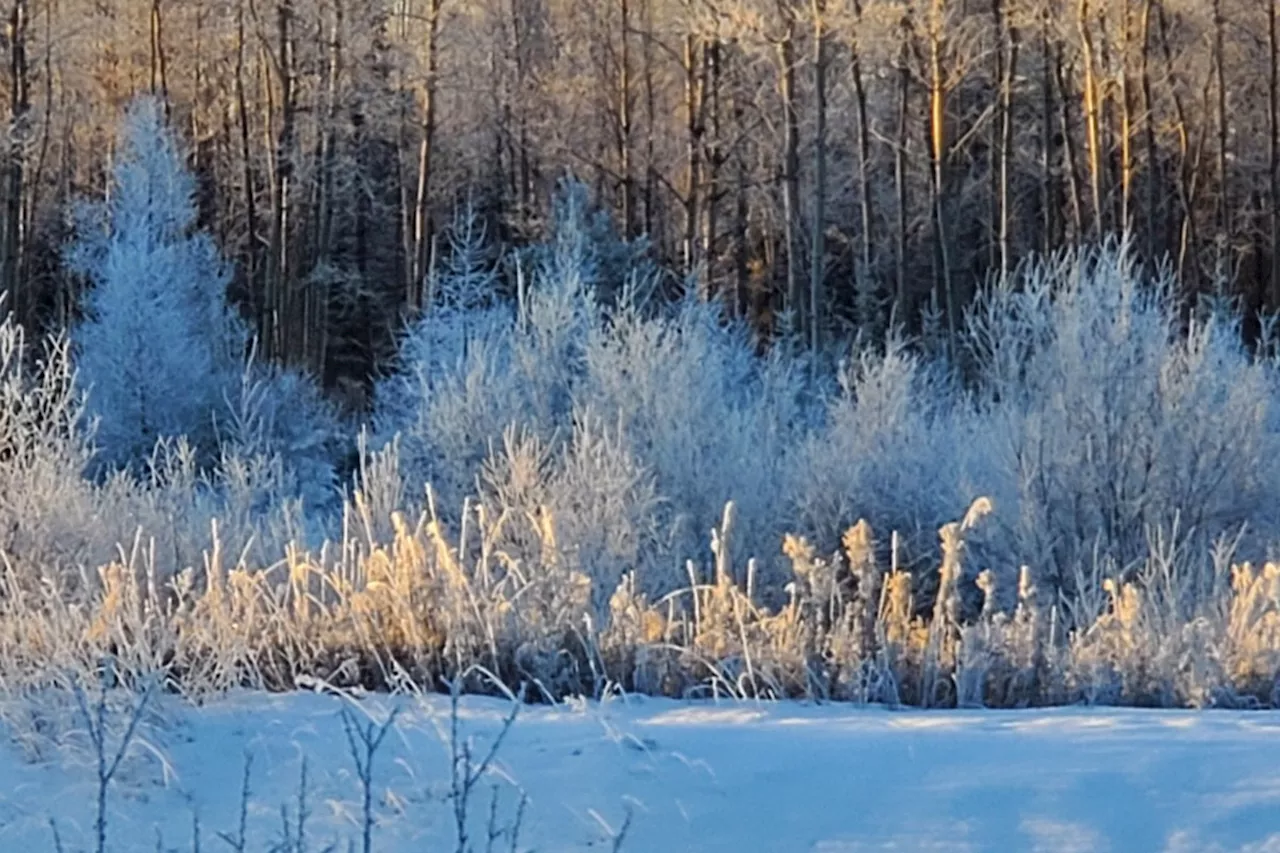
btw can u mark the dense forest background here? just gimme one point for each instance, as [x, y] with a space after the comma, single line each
[821, 165]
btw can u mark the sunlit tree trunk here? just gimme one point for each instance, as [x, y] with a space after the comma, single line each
[818, 250]
[1092, 116]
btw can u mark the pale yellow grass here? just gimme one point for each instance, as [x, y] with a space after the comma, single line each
[423, 603]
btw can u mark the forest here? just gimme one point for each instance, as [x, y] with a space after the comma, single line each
[891, 353]
[822, 166]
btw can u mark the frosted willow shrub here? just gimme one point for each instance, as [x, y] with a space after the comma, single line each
[1107, 421]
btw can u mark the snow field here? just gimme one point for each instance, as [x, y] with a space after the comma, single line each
[696, 777]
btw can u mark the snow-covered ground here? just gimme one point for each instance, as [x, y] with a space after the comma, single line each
[727, 777]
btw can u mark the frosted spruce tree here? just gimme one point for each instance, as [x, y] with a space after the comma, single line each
[158, 349]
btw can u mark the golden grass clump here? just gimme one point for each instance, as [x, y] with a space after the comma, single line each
[431, 602]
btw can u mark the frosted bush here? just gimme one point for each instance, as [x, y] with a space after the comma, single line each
[606, 500]
[1086, 410]
[468, 278]
[456, 391]
[587, 509]
[280, 418]
[45, 506]
[1107, 422]
[584, 245]
[709, 418]
[467, 374]
[891, 451]
[679, 398]
[54, 522]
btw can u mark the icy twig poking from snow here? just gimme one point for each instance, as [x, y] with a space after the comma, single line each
[97, 727]
[616, 836]
[293, 833]
[237, 842]
[57, 836]
[364, 739]
[466, 773]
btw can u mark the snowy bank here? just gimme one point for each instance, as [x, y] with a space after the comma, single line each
[704, 777]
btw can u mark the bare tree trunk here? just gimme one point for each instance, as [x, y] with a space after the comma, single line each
[995, 132]
[315, 331]
[1069, 148]
[421, 215]
[1126, 124]
[818, 250]
[741, 206]
[37, 178]
[1188, 164]
[624, 122]
[741, 228]
[714, 68]
[159, 71]
[19, 116]
[864, 149]
[1224, 272]
[246, 159]
[403, 181]
[1092, 116]
[694, 129]
[1155, 217]
[938, 153]
[519, 37]
[1273, 158]
[651, 111]
[900, 174]
[327, 138]
[204, 159]
[1048, 185]
[791, 171]
[278, 268]
[1107, 118]
[1007, 63]
[1048, 200]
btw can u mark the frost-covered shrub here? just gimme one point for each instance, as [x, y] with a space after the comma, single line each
[587, 507]
[43, 450]
[158, 347]
[1106, 422]
[457, 390]
[468, 275]
[56, 523]
[891, 450]
[583, 244]
[671, 411]
[467, 374]
[713, 421]
[474, 365]
[279, 417]
[1088, 411]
